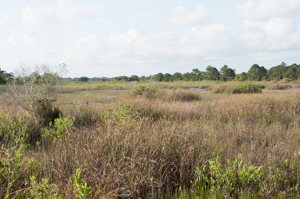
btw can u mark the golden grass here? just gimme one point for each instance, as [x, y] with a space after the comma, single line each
[153, 147]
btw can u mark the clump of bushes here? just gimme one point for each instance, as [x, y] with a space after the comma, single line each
[167, 95]
[248, 88]
[286, 80]
[145, 91]
[238, 88]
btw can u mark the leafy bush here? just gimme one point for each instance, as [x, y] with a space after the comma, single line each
[238, 88]
[81, 189]
[286, 80]
[146, 91]
[62, 126]
[235, 180]
[248, 88]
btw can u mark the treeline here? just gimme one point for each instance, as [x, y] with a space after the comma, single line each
[256, 73]
[4, 76]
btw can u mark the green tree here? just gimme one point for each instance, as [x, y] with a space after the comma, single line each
[176, 77]
[158, 77]
[277, 72]
[2, 77]
[212, 73]
[134, 78]
[256, 72]
[227, 73]
[83, 79]
[167, 77]
[241, 77]
[291, 72]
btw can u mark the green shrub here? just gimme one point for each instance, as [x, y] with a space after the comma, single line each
[247, 88]
[146, 91]
[81, 189]
[286, 80]
[236, 179]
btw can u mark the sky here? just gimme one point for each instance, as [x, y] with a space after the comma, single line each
[108, 38]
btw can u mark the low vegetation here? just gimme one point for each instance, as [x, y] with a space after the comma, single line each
[156, 140]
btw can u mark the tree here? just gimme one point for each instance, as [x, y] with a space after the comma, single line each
[256, 72]
[277, 72]
[134, 78]
[241, 77]
[227, 73]
[158, 77]
[291, 72]
[35, 92]
[2, 77]
[83, 79]
[212, 73]
[176, 77]
[167, 77]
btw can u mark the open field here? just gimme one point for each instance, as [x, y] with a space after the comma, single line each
[146, 140]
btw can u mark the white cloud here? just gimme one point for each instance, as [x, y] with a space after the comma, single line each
[33, 16]
[265, 9]
[66, 11]
[6, 20]
[273, 34]
[183, 16]
[63, 9]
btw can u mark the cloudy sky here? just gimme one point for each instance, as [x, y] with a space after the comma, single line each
[97, 38]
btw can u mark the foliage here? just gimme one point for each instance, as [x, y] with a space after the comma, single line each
[256, 72]
[61, 128]
[35, 92]
[212, 73]
[248, 88]
[146, 91]
[83, 79]
[81, 189]
[235, 180]
[43, 190]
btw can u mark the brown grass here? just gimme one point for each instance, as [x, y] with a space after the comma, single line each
[155, 148]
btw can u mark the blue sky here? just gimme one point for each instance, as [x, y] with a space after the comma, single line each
[126, 37]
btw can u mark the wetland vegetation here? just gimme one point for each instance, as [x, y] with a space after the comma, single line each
[149, 139]
[156, 140]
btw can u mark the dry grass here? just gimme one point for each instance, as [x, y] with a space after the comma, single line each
[153, 147]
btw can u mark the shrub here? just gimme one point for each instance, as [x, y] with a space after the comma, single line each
[238, 88]
[286, 80]
[36, 91]
[146, 91]
[236, 179]
[247, 88]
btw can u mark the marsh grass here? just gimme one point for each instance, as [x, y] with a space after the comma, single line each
[148, 147]
[231, 88]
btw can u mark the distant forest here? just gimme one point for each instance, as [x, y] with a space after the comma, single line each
[255, 73]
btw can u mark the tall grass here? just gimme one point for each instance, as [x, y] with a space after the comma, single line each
[149, 145]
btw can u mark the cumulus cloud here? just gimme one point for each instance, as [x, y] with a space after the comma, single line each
[273, 34]
[6, 20]
[63, 9]
[183, 16]
[33, 16]
[265, 9]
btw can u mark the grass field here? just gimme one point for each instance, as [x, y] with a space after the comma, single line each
[156, 140]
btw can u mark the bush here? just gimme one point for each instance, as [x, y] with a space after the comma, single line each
[286, 80]
[146, 91]
[239, 88]
[236, 179]
[36, 91]
[248, 88]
